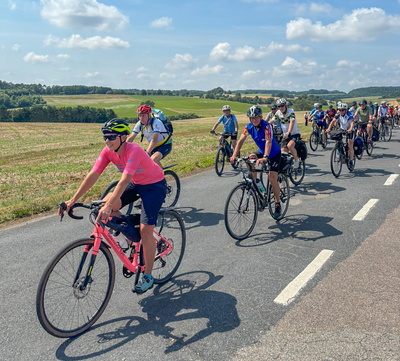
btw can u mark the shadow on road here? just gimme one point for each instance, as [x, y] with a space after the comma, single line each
[169, 310]
[302, 227]
[195, 217]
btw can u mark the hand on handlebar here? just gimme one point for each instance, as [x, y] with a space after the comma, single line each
[212, 131]
[64, 207]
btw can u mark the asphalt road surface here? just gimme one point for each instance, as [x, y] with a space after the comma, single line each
[322, 284]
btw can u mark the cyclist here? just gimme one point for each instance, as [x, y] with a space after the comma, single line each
[271, 114]
[330, 114]
[287, 118]
[268, 148]
[230, 124]
[344, 119]
[153, 129]
[383, 113]
[353, 108]
[318, 117]
[276, 125]
[141, 177]
[364, 116]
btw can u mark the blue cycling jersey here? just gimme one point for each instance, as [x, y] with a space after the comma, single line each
[260, 134]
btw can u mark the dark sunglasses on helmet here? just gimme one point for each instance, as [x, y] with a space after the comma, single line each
[111, 137]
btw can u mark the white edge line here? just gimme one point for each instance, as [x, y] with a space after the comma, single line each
[362, 213]
[293, 288]
[390, 179]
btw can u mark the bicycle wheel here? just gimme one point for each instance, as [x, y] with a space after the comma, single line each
[170, 226]
[173, 188]
[109, 189]
[348, 163]
[296, 175]
[284, 197]
[65, 309]
[324, 143]
[388, 133]
[220, 161]
[336, 161]
[314, 140]
[241, 210]
[369, 147]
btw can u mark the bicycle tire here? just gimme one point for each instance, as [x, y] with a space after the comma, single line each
[109, 189]
[314, 140]
[241, 211]
[170, 226]
[389, 134]
[336, 161]
[220, 161]
[284, 197]
[369, 147]
[57, 290]
[173, 188]
[324, 143]
[296, 175]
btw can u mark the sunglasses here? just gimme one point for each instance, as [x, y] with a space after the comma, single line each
[111, 137]
[341, 110]
[280, 106]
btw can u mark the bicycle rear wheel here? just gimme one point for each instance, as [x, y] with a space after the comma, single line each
[388, 133]
[284, 197]
[64, 308]
[173, 188]
[241, 212]
[296, 175]
[109, 189]
[336, 162]
[314, 140]
[220, 161]
[169, 227]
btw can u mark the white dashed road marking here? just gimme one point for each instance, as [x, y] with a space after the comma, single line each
[293, 288]
[390, 180]
[364, 210]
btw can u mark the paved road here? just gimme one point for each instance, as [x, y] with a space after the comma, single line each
[220, 305]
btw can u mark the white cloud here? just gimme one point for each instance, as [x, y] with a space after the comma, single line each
[34, 58]
[94, 42]
[141, 69]
[167, 76]
[259, 1]
[163, 22]
[63, 56]
[224, 51]
[360, 25]
[95, 74]
[248, 74]
[181, 61]
[347, 64]
[208, 70]
[316, 8]
[91, 14]
[12, 5]
[16, 47]
[293, 67]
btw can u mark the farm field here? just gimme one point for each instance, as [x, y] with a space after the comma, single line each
[43, 164]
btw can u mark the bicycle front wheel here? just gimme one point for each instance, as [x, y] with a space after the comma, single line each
[369, 147]
[284, 197]
[241, 212]
[65, 307]
[336, 162]
[170, 229]
[387, 133]
[314, 140]
[296, 175]
[173, 188]
[220, 161]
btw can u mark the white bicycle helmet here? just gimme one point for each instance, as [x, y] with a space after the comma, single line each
[254, 111]
[226, 107]
[281, 101]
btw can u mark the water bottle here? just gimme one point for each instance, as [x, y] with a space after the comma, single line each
[120, 238]
[260, 186]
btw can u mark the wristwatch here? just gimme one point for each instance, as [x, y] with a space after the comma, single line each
[265, 156]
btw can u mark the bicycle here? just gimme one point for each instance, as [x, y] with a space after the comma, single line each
[173, 188]
[385, 130]
[247, 199]
[224, 152]
[316, 138]
[340, 154]
[77, 284]
[368, 144]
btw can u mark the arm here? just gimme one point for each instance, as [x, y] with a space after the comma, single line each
[153, 143]
[239, 145]
[131, 137]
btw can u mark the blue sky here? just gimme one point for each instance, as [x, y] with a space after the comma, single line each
[203, 44]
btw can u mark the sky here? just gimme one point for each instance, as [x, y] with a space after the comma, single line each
[201, 45]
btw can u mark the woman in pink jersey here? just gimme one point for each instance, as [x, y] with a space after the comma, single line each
[141, 177]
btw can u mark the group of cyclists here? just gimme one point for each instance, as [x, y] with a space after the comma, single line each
[143, 177]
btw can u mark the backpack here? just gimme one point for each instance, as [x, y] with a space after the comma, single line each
[358, 146]
[159, 114]
[301, 148]
[375, 134]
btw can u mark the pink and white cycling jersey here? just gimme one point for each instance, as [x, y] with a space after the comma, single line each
[133, 160]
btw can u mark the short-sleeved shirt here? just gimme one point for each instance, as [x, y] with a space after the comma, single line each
[285, 119]
[363, 114]
[330, 112]
[383, 111]
[345, 120]
[154, 126]
[133, 160]
[260, 134]
[228, 122]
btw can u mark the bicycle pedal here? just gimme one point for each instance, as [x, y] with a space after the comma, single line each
[127, 273]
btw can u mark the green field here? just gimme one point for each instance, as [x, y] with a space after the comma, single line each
[43, 164]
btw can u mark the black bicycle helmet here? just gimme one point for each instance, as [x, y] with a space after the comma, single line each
[254, 111]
